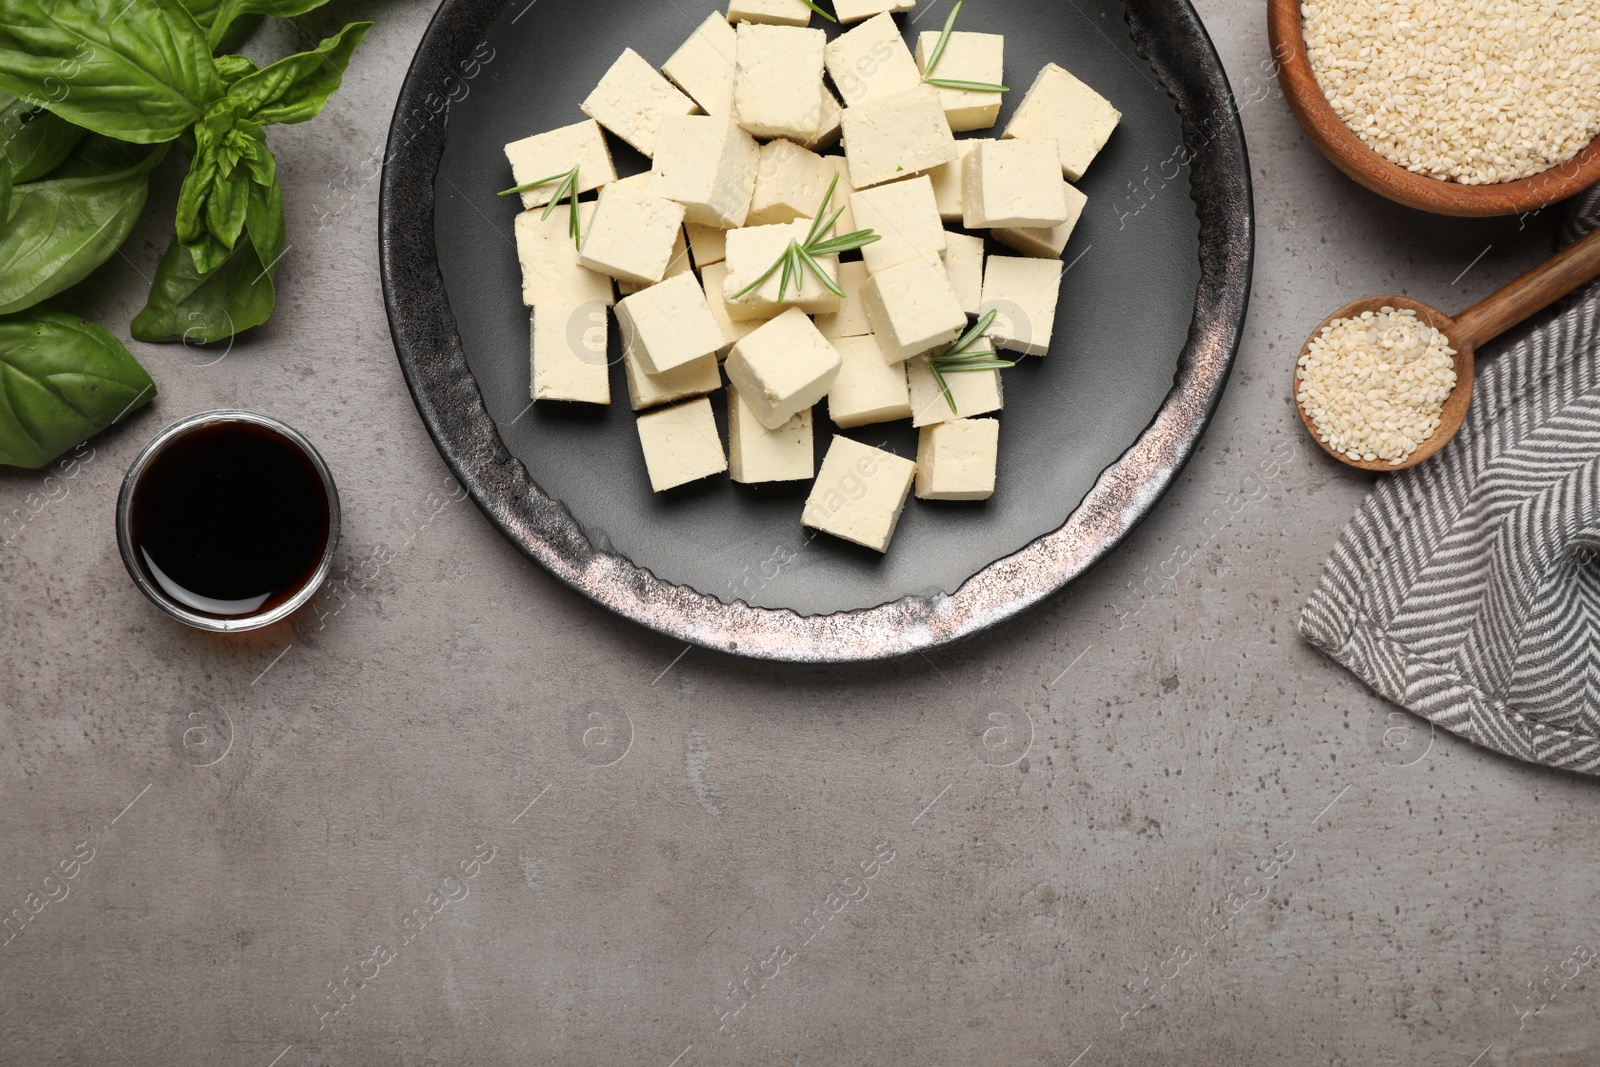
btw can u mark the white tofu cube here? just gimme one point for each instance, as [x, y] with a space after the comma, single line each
[871, 62]
[912, 309]
[897, 137]
[545, 155]
[757, 454]
[710, 244]
[681, 445]
[650, 390]
[751, 253]
[713, 275]
[832, 120]
[568, 353]
[783, 368]
[841, 197]
[777, 87]
[632, 100]
[969, 57]
[770, 12]
[1060, 106]
[1013, 184]
[790, 184]
[868, 388]
[1045, 243]
[851, 318]
[551, 273]
[859, 493]
[703, 66]
[708, 164]
[975, 392]
[849, 11]
[678, 265]
[669, 324]
[957, 460]
[1024, 293]
[963, 263]
[948, 185]
[905, 216]
[639, 183]
[633, 235]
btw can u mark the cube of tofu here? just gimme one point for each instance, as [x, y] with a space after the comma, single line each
[1013, 184]
[948, 185]
[713, 276]
[568, 353]
[832, 118]
[545, 155]
[1045, 243]
[770, 12]
[859, 493]
[969, 57]
[709, 243]
[757, 454]
[849, 11]
[851, 318]
[975, 392]
[956, 460]
[963, 263]
[679, 265]
[703, 66]
[783, 368]
[669, 324]
[632, 100]
[1060, 106]
[790, 184]
[871, 62]
[633, 235]
[651, 390]
[1024, 293]
[912, 309]
[681, 445]
[708, 164]
[639, 183]
[905, 216]
[551, 273]
[777, 86]
[897, 137]
[868, 388]
[751, 253]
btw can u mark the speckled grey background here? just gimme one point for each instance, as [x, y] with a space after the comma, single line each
[1147, 825]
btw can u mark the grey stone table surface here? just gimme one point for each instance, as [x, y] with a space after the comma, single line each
[455, 815]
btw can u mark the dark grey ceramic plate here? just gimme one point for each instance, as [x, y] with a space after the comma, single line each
[1091, 435]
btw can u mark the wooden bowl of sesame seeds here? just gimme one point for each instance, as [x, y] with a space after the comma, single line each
[1347, 151]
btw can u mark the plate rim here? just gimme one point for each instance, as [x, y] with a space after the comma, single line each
[1166, 34]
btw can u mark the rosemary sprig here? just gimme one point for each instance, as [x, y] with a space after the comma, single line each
[960, 357]
[938, 54]
[819, 11]
[800, 257]
[568, 190]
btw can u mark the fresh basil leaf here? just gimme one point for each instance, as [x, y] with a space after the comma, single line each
[62, 380]
[296, 87]
[230, 155]
[62, 229]
[231, 68]
[34, 141]
[5, 192]
[199, 309]
[228, 14]
[139, 70]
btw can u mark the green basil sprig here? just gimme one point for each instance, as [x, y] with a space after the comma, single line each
[62, 380]
[58, 231]
[137, 70]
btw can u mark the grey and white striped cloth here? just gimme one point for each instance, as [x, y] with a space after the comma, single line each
[1468, 588]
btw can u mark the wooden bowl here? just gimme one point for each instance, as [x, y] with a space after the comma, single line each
[1350, 154]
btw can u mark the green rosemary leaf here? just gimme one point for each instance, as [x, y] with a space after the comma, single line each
[944, 42]
[821, 12]
[759, 282]
[970, 338]
[788, 272]
[848, 243]
[822, 275]
[971, 87]
[817, 229]
[534, 185]
[944, 387]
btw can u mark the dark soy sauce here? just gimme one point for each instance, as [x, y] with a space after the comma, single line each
[230, 520]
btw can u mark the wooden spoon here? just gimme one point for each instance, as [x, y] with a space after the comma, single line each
[1474, 327]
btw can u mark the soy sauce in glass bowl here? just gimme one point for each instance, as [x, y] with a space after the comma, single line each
[228, 520]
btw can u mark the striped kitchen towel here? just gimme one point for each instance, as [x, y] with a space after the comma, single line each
[1468, 588]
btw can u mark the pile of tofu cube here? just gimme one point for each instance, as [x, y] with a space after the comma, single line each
[739, 130]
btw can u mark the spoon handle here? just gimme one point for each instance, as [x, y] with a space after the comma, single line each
[1533, 292]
